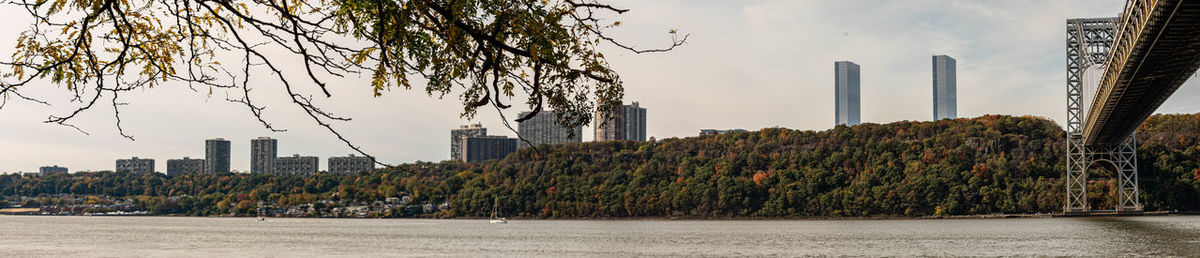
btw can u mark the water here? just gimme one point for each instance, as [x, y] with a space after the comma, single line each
[22, 236]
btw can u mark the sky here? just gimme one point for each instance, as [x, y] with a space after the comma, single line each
[748, 64]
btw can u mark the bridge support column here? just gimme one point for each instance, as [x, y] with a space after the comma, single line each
[1078, 161]
[1125, 158]
[1089, 42]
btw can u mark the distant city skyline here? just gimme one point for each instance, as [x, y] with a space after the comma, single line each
[746, 61]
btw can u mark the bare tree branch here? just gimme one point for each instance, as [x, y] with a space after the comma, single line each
[486, 51]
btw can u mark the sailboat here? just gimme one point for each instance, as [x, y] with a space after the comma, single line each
[495, 219]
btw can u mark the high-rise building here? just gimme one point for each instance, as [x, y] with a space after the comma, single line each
[543, 128]
[296, 165]
[52, 169]
[457, 135]
[625, 122]
[263, 151]
[350, 165]
[845, 93]
[479, 148]
[135, 165]
[216, 156]
[185, 166]
[945, 95]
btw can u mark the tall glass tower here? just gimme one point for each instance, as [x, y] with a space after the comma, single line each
[945, 95]
[846, 97]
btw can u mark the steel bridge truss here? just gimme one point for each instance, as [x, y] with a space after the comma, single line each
[1089, 42]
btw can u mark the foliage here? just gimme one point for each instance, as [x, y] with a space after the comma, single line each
[1169, 161]
[492, 50]
[990, 164]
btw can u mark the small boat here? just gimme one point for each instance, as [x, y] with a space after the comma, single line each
[262, 213]
[495, 219]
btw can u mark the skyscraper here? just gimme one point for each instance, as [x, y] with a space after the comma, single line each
[845, 91]
[457, 135]
[543, 128]
[945, 95]
[625, 122]
[263, 151]
[216, 156]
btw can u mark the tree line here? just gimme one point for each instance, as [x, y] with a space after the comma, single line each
[984, 165]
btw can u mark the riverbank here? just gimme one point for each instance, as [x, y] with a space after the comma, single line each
[19, 211]
[34, 212]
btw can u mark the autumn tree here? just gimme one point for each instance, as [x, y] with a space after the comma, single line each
[488, 52]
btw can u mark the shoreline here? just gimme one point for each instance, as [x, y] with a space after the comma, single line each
[946, 217]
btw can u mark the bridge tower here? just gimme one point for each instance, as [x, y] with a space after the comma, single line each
[1088, 43]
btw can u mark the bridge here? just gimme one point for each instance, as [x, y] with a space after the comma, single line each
[1119, 70]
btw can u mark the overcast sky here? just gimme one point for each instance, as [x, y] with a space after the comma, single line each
[748, 64]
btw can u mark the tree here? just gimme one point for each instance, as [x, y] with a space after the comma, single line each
[490, 49]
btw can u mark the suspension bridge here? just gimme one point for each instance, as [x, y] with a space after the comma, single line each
[1119, 71]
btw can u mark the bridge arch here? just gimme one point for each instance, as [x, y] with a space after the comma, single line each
[1112, 164]
[1124, 201]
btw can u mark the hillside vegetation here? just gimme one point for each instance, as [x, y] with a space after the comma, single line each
[989, 164]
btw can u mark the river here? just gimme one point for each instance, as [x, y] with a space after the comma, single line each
[26, 236]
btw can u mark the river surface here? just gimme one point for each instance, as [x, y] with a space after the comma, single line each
[25, 236]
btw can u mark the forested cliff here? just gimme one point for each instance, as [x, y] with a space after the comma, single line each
[989, 164]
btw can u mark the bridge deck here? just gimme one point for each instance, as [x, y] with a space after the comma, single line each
[1157, 50]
